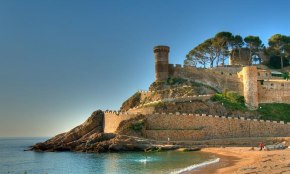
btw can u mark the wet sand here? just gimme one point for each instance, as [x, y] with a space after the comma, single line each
[242, 160]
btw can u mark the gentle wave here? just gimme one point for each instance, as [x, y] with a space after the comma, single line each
[189, 168]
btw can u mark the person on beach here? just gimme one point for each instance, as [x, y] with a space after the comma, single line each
[261, 145]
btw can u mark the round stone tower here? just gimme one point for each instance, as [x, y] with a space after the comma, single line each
[250, 81]
[161, 62]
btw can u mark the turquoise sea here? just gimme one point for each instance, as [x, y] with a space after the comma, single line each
[13, 159]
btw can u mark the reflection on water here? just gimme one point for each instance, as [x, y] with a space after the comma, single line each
[15, 160]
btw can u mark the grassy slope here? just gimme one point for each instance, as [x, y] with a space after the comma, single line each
[269, 111]
[275, 111]
[231, 103]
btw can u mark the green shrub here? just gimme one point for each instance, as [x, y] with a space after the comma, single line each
[137, 126]
[234, 97]
[286, 75]
[231, 100]
[175, 81]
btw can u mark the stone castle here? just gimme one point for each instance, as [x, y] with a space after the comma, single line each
[179, 109]
[257, 85]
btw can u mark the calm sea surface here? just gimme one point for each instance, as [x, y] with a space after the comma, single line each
[14, 160]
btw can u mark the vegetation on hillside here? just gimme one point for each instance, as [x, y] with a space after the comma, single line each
[275, 111]
[137, 126]
[270, 111]
[179, 81]
[132, 126]
[196, 84]
[131, 102]
[215, 50]
[175, 81]
[231, 100]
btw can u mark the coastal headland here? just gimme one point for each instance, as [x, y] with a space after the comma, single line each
[189, 108]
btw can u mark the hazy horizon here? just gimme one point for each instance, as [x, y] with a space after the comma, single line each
[62, 60]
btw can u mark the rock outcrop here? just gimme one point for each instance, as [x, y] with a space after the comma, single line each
[91, 131]
[89, 137]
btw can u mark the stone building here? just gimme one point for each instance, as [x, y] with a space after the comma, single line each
[255, 84]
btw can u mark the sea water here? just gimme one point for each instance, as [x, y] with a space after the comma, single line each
[13, 159]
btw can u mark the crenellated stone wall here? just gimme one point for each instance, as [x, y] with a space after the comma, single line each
[195, 127]
[112, 120]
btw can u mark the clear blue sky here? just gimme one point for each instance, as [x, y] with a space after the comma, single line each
[62, 59]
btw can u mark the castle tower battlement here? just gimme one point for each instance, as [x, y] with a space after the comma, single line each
[161, 62]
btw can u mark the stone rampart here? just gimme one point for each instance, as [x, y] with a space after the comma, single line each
[274, 93]
[193, 127]
[264, 74]
[196, 127]
[221, 78]
[113, 119]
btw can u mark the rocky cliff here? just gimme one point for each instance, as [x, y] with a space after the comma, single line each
[89, 137]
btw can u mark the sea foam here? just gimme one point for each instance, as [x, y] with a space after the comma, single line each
[189, 168]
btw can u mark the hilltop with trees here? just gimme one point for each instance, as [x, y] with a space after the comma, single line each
[216, 50]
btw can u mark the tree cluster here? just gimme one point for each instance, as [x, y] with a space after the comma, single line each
[214, 51]
[279, 49]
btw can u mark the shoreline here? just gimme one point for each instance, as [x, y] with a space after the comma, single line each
[242, 160]
[224, 162]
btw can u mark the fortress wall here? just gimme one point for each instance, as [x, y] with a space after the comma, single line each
[274, 92]
[197, 127]
[277, 85]
[113, 119]
[221, 78]
[145, 94]
[264, 74]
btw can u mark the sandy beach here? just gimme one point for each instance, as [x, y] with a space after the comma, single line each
[242, 160]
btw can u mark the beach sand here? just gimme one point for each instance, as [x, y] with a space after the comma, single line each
[242, 160]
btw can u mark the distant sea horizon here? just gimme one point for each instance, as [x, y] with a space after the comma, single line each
[13, 159]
